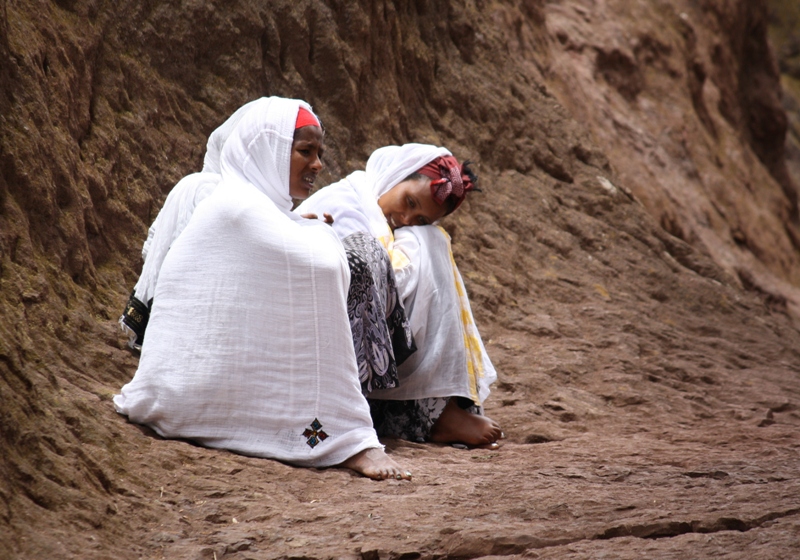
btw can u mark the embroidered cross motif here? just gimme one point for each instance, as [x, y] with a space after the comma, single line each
[315, 434]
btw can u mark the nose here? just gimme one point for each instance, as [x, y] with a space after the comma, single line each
[316, 165]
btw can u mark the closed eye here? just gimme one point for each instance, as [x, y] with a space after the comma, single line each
[411, 202]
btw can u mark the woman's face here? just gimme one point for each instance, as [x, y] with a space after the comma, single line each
[307, 150]
[411, 203]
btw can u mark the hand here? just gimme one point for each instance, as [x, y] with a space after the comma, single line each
[328, 219]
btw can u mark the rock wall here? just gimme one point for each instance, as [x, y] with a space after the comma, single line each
[693, 90]
[784, 23]
[633, 163]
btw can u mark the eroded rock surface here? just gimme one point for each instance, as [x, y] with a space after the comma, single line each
[633, 265]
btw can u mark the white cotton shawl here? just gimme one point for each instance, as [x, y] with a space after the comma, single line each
[216, 141]
[248, 346]
[168, 225]
[450, 359]
[180, 204]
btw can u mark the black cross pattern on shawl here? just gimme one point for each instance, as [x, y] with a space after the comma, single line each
[315, 435]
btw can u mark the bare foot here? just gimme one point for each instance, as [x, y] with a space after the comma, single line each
[456, 425]
[375, 463]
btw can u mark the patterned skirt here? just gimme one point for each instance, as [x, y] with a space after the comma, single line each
[382, 339]
[381, 332]
[413, 419]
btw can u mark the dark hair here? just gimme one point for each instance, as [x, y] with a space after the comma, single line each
[465, 169]
[414, 177]
[451, 202]
[294, 134]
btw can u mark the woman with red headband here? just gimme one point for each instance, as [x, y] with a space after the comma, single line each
[178, 209]
[248, 344]
[426, 376]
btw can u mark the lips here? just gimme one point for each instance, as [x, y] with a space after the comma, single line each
[308, 180]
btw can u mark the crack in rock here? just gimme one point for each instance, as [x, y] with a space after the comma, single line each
[664, 529]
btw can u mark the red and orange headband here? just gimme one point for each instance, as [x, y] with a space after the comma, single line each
[448, 179]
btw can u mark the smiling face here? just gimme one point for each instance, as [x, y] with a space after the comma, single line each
[411, 203]
[307, 148]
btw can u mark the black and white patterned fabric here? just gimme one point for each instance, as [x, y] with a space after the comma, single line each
[381, 333]
[413, 419]
[134, 321]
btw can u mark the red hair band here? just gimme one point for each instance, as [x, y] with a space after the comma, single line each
[305, 118]
[447, 180]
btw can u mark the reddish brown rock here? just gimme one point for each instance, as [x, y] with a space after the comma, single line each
[632, 261]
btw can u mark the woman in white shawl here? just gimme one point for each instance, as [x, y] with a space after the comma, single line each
[248, 345]
[439, 390]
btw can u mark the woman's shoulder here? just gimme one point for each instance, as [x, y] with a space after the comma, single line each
[348, 187]
[340, 194]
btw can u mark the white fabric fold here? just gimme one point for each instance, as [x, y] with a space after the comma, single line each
[248, 346]
[450, 359]
[217, 139]
[180, 204]
[168, 225]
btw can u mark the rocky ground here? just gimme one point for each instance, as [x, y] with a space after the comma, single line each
[633, 266]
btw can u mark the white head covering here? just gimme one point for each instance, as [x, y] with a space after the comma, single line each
[190, 190]
[354, 199]
[218, 138]
[258, 150]
[389, 165]
[249, 346]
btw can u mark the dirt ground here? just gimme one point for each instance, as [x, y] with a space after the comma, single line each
[632, 263]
